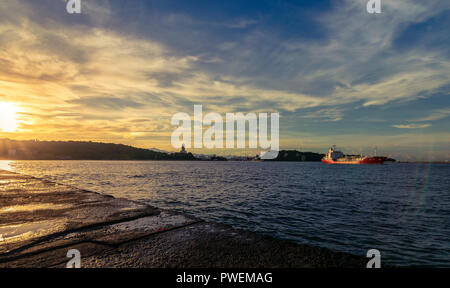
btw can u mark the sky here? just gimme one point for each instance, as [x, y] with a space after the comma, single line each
[336, 74]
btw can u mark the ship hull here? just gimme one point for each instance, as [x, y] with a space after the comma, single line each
[367, 160]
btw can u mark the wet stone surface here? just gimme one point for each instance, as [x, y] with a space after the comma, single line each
[40, 221]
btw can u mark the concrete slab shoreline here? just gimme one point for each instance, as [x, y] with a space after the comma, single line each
[41, 220]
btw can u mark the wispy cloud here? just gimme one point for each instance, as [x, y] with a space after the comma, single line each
[327, 114]
[411, 126]
[240, 23]
[435, 115]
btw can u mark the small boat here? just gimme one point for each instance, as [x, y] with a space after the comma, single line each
[337, 157]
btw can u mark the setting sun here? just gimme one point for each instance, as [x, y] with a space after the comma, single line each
[8, 121]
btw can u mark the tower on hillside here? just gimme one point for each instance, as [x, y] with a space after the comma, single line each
[183, 149]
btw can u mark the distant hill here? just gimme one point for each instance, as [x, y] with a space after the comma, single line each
[158, 150]
[74, 150]
[294, 155]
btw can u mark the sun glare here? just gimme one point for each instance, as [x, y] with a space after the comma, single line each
[8, 117]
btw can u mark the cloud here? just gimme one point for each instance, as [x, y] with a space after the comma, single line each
[412, 126]
[240, 23]
[326, 115]
[361, 46]
[435, 115]
[85, 83]
[108, 103]
[356, 63]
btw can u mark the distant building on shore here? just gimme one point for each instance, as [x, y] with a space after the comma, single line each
[183, 149]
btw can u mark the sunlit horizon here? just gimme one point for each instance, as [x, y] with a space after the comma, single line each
[334, 73]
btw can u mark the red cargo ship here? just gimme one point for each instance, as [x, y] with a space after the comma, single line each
[337, 157]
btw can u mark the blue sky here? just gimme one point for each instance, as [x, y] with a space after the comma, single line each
[336, 74]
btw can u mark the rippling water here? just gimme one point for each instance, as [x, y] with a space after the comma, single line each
[403, 210]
